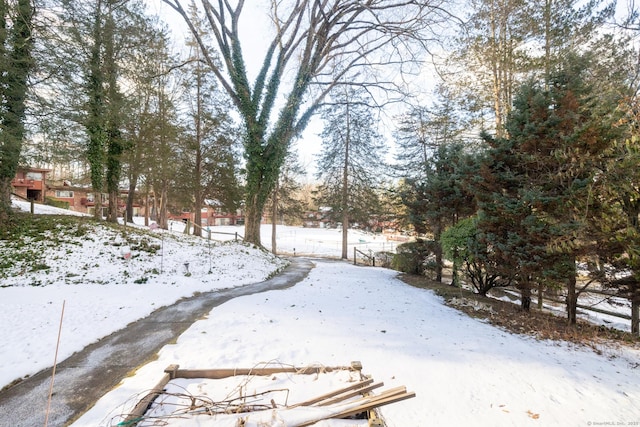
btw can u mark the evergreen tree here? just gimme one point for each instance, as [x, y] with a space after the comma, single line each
[429, 154]
[16, 62]
[166, 147]
[95, 48]
[209, 158]
[142, 124]
[438, 200]
[461, 245]
[350, 163]
[422, 130]
[536, 193]
[617, 217]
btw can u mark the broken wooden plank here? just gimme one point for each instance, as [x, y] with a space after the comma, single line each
[376, 403]
[145, 403]
[331, 394]
[342, 397]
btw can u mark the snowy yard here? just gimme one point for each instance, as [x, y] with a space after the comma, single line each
[463, 370]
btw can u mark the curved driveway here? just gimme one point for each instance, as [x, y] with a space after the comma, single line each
[87, 375]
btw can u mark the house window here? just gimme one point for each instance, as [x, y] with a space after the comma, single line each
[91, 197]
[36, 176]
[64, 194]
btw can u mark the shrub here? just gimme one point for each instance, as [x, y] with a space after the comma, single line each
[56, 203]
[415, 257]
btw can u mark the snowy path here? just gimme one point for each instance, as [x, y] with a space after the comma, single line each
[464, 371]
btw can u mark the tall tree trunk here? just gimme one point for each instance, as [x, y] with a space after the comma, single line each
[572, 297]
[5, 197]
[274, 217]
[252, 220]
[15, 68]
[259, 184]
[540, 295]
[133, 183]
[525, 296]
[345, 235]
[635, 312]
[96, 114]
[572, 294]
[345, 187]
[112, 211]
[197, 194]
[146, 207]
[163, 219]
[154, 207]
[437, 233]
[572, 301]
[115, 144]
[97, 204]
[197, 213]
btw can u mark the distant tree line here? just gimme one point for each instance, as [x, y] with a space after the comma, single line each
[109, 104]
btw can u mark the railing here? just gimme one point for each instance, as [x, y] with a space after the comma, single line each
[371, 258]
[22, 182]
[586, 307]
[187, 230]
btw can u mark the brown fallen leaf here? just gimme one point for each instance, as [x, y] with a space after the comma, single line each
[533, 415]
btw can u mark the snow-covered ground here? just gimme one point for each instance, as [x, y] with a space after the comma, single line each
[463, 370]
[107, 280]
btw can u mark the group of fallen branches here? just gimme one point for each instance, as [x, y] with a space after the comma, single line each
[170, 404]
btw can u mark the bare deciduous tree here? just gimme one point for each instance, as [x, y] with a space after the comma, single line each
[316, 45]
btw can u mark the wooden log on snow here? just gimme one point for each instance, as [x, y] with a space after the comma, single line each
[216, 374]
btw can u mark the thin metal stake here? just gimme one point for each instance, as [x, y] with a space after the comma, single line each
[55, 362]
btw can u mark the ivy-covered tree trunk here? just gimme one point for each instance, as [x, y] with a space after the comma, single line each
[253, 219]
[274, 217]
[95, 121]
[16, 62]
[263, 169]
[115, 142]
